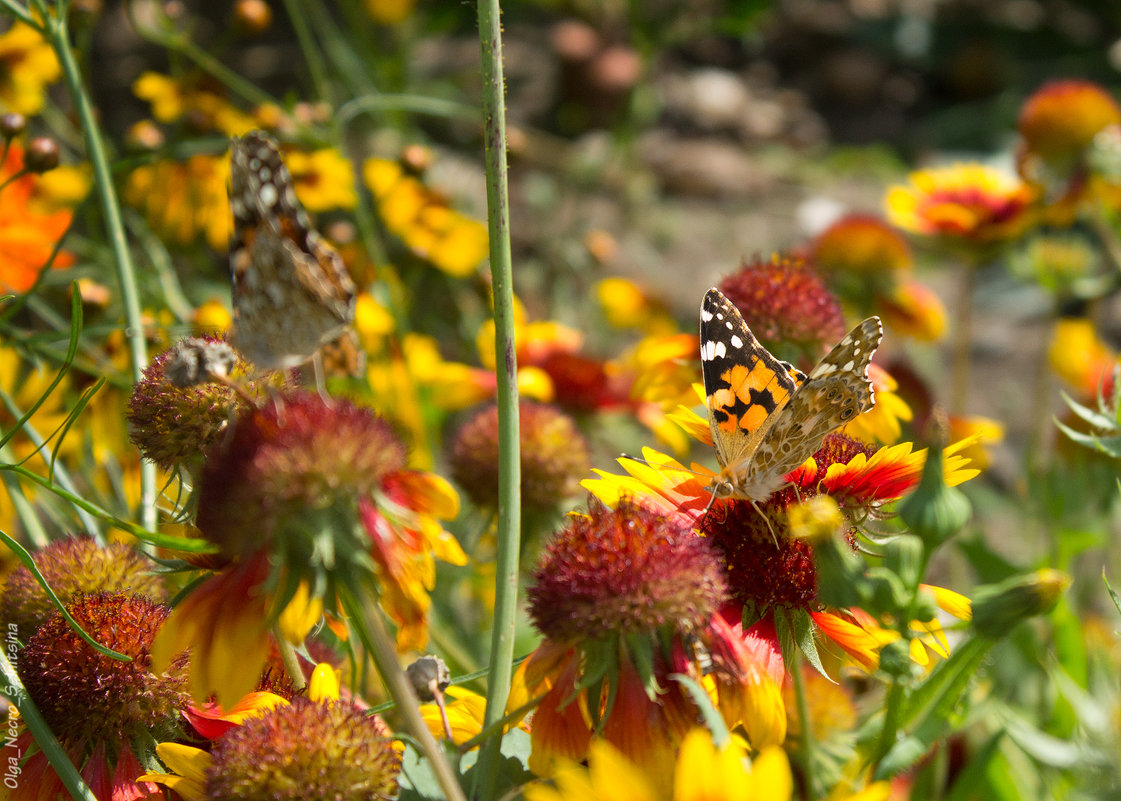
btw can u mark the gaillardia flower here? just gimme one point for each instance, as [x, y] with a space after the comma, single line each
[175, 422]
[307, 496]
[314, 746]
[625, 598]
[1059, 122]
[554, 456]
[73, 567]
[767, 569]
[785, 301]
[968, 205]
[101, 709]
[701, 771]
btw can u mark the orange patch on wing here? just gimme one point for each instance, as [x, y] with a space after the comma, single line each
[760, 376]
[753, 418]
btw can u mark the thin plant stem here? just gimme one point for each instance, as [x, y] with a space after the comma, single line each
[963, 339]
[290, 659]
[509, 457]
[58, 35]
[805, 736]
[376, 638]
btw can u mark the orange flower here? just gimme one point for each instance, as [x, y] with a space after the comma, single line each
[965, 203]
[861, 244]
[1079, 356]
[29, 228]
[1061, 118]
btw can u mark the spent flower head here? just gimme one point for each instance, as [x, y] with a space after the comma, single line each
[785, 301]
[175, 414]
[72, 567]
[554, 456]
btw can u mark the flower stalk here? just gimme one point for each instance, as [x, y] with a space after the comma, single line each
[509, 460]
[57, 33]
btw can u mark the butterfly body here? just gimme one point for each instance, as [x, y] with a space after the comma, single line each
[291, 291]
[766, 416]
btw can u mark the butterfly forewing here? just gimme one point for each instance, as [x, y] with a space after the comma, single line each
[745, 385]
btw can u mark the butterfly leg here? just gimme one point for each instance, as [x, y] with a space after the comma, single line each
[767, 520]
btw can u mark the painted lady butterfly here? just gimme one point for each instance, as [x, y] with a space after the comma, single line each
[766, 416]
[292, 294]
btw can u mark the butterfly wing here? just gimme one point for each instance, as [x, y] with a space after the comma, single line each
[291, 289]
[835, 392]
[745, 386]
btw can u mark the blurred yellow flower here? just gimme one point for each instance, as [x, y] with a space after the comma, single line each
[184, 199]
[1061, 118]
[424, 221]
[388, 12]
[980, 432]
[703, 771]
[626, 305]
[171, 99]
[324, 179]
[27, 65]
[212, 317]
[912, 309]
[1078, 356]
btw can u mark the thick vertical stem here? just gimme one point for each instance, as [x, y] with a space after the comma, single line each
[509, 466]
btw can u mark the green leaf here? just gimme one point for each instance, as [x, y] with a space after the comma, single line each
[944, 687]
[804, 636]
[1094, 418]
[712, 719]
[1112, 594]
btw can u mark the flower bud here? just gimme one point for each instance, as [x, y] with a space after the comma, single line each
[12, 125]
[935, 511]
[42, 155]
[999, 607]
[895, 658]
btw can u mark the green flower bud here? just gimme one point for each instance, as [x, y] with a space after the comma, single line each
[895, 658]
[999, 607]
[935, 511]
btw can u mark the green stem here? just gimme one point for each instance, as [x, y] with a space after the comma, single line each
[893, 706]
[312, 57]
[509, 459]
[290, 659]
[44, 738]
[126, 273]
[805, 736]
[963, 339]
[374, 636]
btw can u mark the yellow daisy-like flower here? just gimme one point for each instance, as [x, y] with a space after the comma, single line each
[173, 98]
[884, 422]
[27, 66]
[424, 221]
[703, 771]
[184, 199]
[965, 203]
[324, 179]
